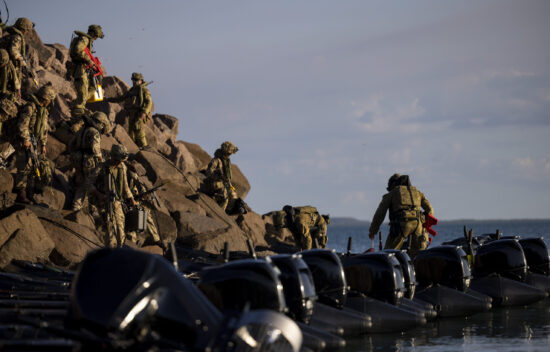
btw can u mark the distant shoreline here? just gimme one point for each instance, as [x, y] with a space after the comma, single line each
[348, 221]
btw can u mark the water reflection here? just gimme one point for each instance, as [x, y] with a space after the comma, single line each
[501, 329]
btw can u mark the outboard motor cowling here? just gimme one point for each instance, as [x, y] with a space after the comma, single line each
[234, 285]
[377, 275]
[536, 254]
[328, 275]
[298, 286]
[444, 265]
[504, 257]
[407, 269]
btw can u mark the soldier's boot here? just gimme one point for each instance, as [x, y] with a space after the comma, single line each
[22, 196]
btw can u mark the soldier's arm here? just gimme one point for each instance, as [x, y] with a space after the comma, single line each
[126, 192]
[213, 167]
[14, 77]
[23, 124]
[95, 143]
[426, 205]
[147, 102]
[379, 215]
[78, 53]
[15, 48]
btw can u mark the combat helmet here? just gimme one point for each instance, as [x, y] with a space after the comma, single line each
[229, 148]
[23, 24]
[393, 181]
[46, 93]
[136, 76]
[101, 122]
[4, 57]
[119, 153]
[95, 31]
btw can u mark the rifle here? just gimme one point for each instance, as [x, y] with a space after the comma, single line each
[111, 211]
[152, 192]
[26, 68]
[94, 70]
[34, 157]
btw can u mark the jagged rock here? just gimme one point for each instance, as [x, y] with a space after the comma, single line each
[60, 111]
[159, 168]
[162, 133]
[114, 86]
[54, 148]
[196, 224]
[137, 168]
[81, 217]
[110, 109]
[151, 136]
[200, 157]
[23, 237]
[182, 158]
[107, 142]
[72, 240]
[174, 197]
[166, 226]
[254, 226]
[61, 52]
[63, 163]
[163, 120]
[63, 133]
[239, 181]
[51, 197]
[6, 182]
[46, 54]
[59, 84]
[120, 134]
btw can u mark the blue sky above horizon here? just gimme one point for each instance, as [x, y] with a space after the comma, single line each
[327, 99]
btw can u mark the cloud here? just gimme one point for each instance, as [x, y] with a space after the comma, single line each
[376, 114]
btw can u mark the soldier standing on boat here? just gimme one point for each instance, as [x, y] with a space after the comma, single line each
[404, 203]
[138, 104]
[32, 126]
[218, 177]
[112, 183]
[86, 157]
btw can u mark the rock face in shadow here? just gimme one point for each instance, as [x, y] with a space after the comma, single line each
[52, 233]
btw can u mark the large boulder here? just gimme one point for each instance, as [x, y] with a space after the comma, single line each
[196, 224]
[200, 157]
[166, 226]
[159, 168]
[239, 181]
[164, 122]
[120, 134]
[173, 195]
[255, 228]
[54, 148]
[6, 182]
[114, 86]
[23, 237]
[59, 84]
[52, 197]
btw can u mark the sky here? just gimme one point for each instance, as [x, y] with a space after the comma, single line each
[327, 99]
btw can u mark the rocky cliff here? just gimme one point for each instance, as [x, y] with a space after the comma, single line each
[51, 233]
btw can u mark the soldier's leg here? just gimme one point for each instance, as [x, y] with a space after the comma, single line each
[419, 241]
[395, 239]
[152, 227]
[81, 86]
[119, 223]
[304, 237]
[141, 139]
[23, 165]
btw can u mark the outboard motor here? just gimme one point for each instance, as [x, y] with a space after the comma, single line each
[504, 257]
[298, 286]
[377, 275]
[536, 254]
[445, 265]
[328, 276]
[135, 297]
[407, 269]
[234, 285]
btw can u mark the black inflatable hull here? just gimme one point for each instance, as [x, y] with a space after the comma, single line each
[539, 281]
[423, 308]
[330, 341]
[385, 317]
[449, 302]
[351, 321]
[506, 292]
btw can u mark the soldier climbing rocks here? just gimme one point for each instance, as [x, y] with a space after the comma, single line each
[218, 176]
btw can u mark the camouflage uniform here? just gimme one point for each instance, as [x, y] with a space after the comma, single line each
[86, 157]
[15, 43]
[32, 125]
[10, 85]
[218, 177]
[112, 182]
[138, 104]
[406, 219]
[137, 187]
[307, 224]
[76, 68]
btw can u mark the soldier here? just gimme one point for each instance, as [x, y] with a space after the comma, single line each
[218, 176]
[86, 157]
[8, 110]
[112, 183]
[10, 85]
[15, 44]
[404, 202]
[138, 103]
[77, 67]
[137, 187]
[306, 224]
[32, 133]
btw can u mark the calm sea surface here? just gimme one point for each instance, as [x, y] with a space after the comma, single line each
[501, 329]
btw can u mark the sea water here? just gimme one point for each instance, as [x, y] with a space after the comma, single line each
[501, 329]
